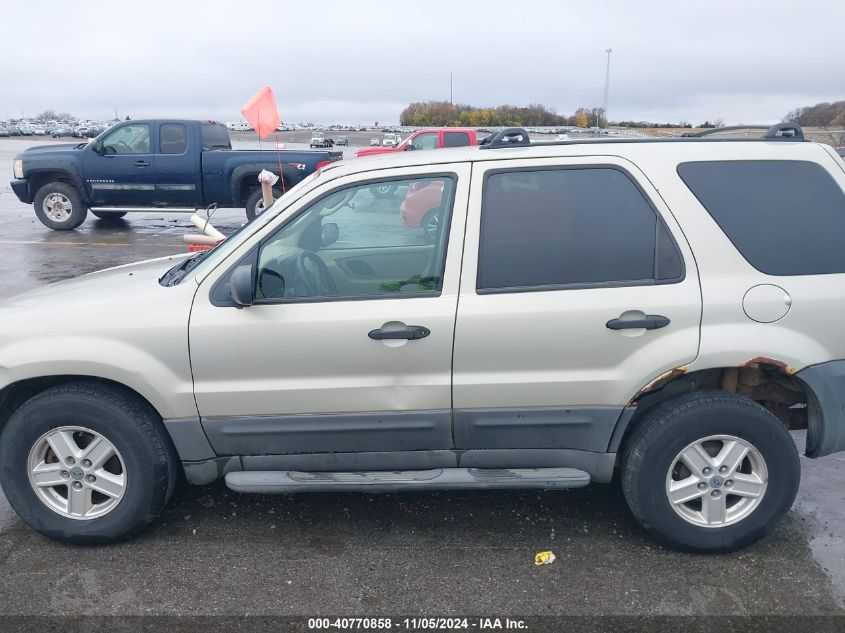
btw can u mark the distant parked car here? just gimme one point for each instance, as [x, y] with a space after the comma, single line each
[14, 130]
[94, 132]
[374, 142]
[389, 140]
[61, 131]
[342, 140]
[25, 131]
[4, 132]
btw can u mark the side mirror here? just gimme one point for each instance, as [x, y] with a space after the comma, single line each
[329, 234]
[242, 285]
[97, 147]
[409, 146]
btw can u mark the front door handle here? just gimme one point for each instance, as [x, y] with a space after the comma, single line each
[409, 332]
[141, 163]
[648, 322]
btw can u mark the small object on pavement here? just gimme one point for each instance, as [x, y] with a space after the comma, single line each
[205, 226]
[544, 558]
[208, 239]
[205, 240]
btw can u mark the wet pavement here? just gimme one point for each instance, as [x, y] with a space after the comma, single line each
[215, 552]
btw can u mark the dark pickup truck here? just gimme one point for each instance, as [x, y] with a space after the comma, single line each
[164, 164]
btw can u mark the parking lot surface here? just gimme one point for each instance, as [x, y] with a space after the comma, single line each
[216, 552]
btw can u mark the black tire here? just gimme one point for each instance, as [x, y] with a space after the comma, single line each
[255, 202]
[430, 225]
[76, 214]
[125, 420]
[654, 444]
[109, 215]
[384, 190]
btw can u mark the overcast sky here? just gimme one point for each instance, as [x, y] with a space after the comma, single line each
[744, 61]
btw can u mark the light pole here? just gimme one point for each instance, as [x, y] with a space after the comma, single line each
[607, 84]
[450, 88]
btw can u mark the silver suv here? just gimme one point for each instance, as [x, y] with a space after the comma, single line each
[662, 311]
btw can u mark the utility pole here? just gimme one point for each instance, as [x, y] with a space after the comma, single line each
[607, 83]
[450, 87]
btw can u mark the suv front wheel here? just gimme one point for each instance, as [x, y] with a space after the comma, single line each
[86, 463]
[710, 472]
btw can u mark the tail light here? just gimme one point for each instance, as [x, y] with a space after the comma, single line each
[322, 164]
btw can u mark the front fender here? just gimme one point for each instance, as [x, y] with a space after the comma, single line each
[167, 386]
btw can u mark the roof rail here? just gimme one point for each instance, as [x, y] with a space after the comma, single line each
[518, 137]
[780, 131]
[509, 137]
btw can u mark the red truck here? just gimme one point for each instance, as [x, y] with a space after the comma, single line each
[432, 138]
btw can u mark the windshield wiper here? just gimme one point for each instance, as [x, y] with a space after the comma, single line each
[178, 272]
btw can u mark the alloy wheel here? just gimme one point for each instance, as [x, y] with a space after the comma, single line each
[716, 481]
[77, 472]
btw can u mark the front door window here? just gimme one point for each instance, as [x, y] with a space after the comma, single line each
[128, 139]
[354, 244]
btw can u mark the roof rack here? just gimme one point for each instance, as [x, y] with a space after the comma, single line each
[509, 137]
[779, 131]
[518, 137]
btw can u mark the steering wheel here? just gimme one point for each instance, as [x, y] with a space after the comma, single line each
[319, 282]
[124, 144]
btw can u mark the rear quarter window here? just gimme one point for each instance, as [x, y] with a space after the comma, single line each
[784, 217]
[215, 136]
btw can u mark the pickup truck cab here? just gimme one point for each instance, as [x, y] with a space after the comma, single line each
[433, 138]
[163, 164]
[585, 311]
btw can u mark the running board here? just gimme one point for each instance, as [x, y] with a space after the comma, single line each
[288, 481]
[147, 209]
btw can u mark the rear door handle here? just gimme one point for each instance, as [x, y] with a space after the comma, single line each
[409, 332]
[649, 322]
[141, 163]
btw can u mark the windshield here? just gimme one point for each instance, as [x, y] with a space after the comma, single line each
[206, 260]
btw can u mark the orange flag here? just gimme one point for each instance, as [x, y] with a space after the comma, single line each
[261, 112]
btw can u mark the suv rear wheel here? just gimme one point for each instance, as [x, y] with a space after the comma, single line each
[58, 206]
[86, 463]
[710, 472]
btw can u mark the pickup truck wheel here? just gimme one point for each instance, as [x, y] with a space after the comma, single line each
[109, 215]
[384, 190]
[255, 202]
[710, 472]
[86, 463]
[58, 206]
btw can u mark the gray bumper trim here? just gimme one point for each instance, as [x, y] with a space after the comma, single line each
[189, 439]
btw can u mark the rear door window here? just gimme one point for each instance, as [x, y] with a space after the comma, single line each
[455, 139]
[173, 138]
[543, 229]
[785, 217]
